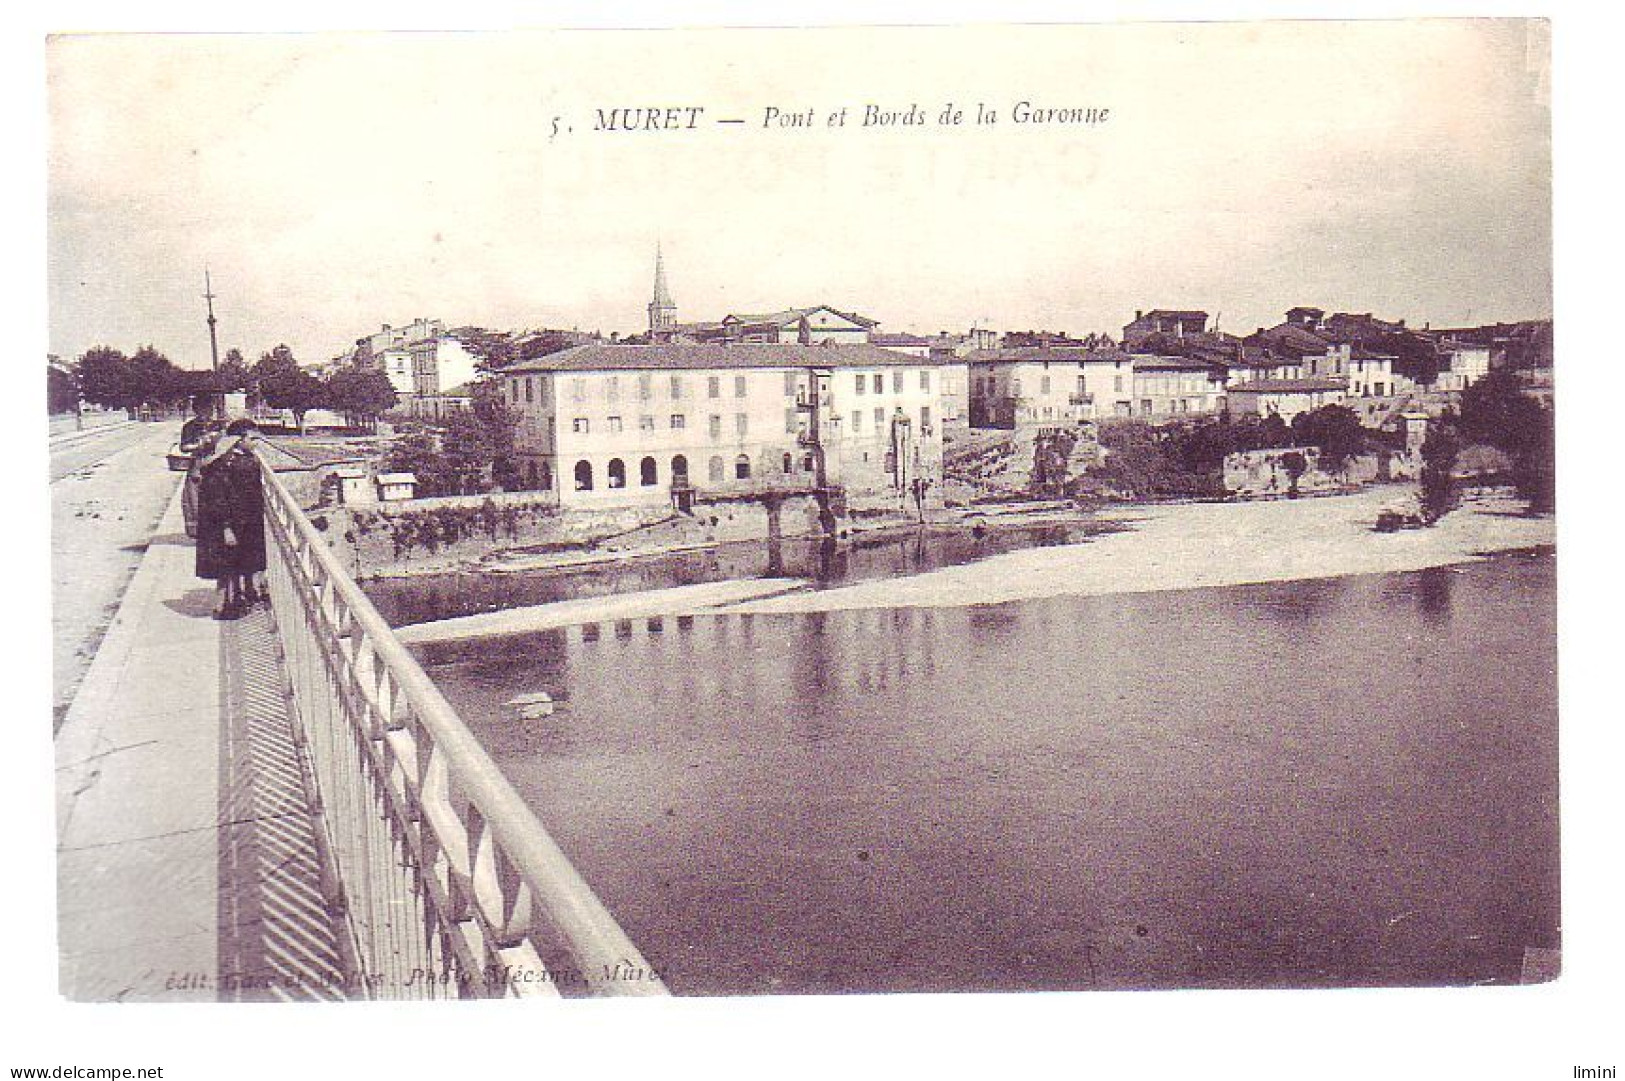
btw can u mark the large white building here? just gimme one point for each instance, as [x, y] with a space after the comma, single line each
[1047, 385]
[624, 425]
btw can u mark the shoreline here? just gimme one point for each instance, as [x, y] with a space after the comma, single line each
[1161, 548]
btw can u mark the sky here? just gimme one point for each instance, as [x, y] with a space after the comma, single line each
[331, 183]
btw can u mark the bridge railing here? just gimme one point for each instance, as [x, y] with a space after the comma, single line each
[447, 882]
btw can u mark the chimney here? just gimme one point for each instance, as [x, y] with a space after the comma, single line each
[385, 327]
[1138, 315]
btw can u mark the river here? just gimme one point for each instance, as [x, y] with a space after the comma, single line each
[1335, 782]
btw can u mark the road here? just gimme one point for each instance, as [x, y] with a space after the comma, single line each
[108, 489]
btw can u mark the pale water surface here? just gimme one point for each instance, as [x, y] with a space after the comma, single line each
[1341, 781]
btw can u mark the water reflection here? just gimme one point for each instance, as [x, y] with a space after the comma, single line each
[1229, 787]
[824, 561]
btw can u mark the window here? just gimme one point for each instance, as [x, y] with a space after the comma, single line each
[614, 424]
[678, 420]
[790, 384]
[514, 388]
[791, 421]
[617, 473]
[648, 473]
[742, 467]
[646, 423]
[578, 390]
[1379, 389]
[897, 381]
[1043, 385]
[713, 386]
[739, 386]
[612, 388]
[925, 417]
[529, 390]
[1117, 384]
[808, 463]
[1015, 387]
[857, 421]
[714, 469]
[861, 381]
[1145, 406]
[716, 426]
[880, 418]
[741, 423]
[583, 476]
[676, 390]
[542, 384]
[581, 426]
[679, 470]
[646, 386]
[925, 379]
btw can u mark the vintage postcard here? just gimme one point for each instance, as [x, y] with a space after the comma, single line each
[803, 511]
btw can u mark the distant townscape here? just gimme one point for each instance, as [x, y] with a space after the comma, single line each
[813, 419]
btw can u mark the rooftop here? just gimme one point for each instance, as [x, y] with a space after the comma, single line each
[682, 356]
[1289, 386]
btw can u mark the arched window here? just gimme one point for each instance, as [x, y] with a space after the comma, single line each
[583, 476]
[742, 467]
[617, 473]
[808, 463]
[679, 470]
[648, 473]
[789, 463]
[715, 472]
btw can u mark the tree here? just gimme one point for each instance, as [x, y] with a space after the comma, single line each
[420, 454]
[1295, 465]
[283, 384]
[61, 390]
[1496, 411]
[1336, 430]
[106, 379]
[498, 423]
[232, 375]
[1438, 486]
[361, 394]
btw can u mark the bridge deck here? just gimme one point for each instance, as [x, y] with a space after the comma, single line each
[186, 861]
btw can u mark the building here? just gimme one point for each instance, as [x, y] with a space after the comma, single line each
[1180, 324]
[439, 363]
[1039, 386]
[1174, 387]
[388, 337]
[1285, 398]
[801, 326]
[912, 344]
[396, 363]
[1367, 372]
[1463, 364]
[606, 425]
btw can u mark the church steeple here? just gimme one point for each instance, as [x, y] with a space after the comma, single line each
[662, 309]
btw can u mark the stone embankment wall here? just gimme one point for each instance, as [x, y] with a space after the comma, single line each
[449, 533]
[1260, 474]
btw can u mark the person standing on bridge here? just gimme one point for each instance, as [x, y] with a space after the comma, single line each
[231, 520]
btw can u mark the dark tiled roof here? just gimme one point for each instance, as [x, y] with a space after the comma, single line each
[685, 356]
[1172, 313]
[891, 341]
[1290, 386]
[1169, 364]
[1041, 354]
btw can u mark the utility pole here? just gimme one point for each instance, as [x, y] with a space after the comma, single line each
[219, 395]
[214, 345]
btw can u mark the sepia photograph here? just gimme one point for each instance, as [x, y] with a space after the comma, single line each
[804, 511]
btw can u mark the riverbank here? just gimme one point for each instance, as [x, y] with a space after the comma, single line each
[1194, 545]
[1155, 547]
